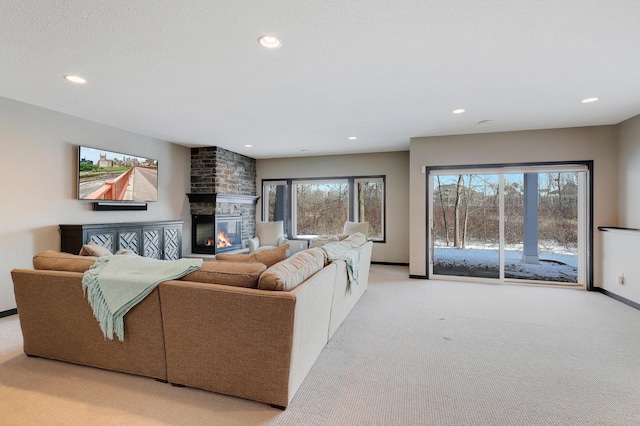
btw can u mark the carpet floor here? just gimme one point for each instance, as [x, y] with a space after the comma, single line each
[412, 352]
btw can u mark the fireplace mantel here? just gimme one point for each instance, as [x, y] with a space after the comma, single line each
[214, 197]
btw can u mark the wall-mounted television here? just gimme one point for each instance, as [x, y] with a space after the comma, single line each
[115, 177]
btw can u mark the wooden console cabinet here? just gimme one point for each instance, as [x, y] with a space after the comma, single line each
[158, 240]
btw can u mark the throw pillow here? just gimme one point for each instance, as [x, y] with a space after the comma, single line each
[269, 232]
[355, 240]
[58, 261]
[268, 257]
[126, 252]
[288, 274]
[93, 249]
[322, 240]
[353, 227]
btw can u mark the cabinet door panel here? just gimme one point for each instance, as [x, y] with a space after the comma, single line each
[104, 239]
[171, 244]
[129, 240]
[152, 246]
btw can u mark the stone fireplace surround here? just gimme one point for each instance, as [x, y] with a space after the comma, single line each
[224, 183]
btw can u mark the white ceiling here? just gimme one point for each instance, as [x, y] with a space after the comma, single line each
[193, 73]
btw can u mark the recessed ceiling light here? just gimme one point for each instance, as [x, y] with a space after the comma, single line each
[75, 79]
[458, 111]
[352, 138]
[589, 100]
[270, 42]
[248, 146]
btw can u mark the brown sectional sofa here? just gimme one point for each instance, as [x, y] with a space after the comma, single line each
[212, 330]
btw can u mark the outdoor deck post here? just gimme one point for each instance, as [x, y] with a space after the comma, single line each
[280, 203]
[530, 245]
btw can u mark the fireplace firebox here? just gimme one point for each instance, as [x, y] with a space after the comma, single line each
[212, 234]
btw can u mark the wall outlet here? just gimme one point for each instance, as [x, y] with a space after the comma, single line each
[621, 279]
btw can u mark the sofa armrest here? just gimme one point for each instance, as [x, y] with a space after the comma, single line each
[255, 344]
[282, 241]
[254, 243]
[58, 323]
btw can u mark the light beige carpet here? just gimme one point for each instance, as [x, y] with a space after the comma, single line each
[412, 352]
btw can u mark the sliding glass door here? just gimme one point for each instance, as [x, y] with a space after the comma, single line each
[466, 225]
[525, 223]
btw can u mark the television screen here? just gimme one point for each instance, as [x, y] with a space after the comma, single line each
[112, 176]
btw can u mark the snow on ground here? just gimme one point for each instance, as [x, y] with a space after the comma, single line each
[557, 265]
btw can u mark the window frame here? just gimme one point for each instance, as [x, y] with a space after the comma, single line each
[290, 201]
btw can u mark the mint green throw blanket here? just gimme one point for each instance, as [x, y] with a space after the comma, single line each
[115, 284]
[350, 254]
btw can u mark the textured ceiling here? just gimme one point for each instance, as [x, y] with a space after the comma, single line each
[193, 73]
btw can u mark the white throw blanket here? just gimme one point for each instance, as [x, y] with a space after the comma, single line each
[114, 284]
[351, 255]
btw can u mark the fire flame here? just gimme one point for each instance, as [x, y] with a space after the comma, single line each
[223, 240]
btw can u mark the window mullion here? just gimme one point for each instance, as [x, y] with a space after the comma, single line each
[352, 205]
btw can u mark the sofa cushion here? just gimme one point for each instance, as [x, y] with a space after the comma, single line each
[355, 240]
[59, 261]
[353, 227]
[288, 274]
[236, 274]
[93, 249]
[268, 257]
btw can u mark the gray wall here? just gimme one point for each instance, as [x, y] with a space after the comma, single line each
[629, 173]
[621, 248]
[395, 165]
[38, 187]
[587, 143]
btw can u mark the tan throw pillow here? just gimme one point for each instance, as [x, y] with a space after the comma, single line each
[355, 240]
[236, 274]
[290, 273]
[126, 252]
[269, 232]
[268, 257]
[93, 249]
[58, 261]
[353, 227]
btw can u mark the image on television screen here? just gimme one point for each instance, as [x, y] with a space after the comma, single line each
[112, 176]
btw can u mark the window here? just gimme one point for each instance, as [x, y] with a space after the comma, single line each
[311, 207]
[321, 207]
[369, 205]
[510, 222]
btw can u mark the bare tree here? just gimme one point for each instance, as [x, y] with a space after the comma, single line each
[467, 199]
[444, 212]
[456, 213]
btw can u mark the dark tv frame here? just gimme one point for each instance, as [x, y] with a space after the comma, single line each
[110, 205]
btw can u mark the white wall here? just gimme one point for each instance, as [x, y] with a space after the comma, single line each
[620, 257]
[38, 159]
[395, 165]
[587, 143]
